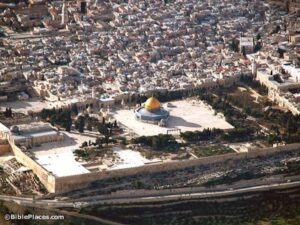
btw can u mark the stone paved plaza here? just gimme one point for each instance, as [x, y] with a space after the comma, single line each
[186, 115]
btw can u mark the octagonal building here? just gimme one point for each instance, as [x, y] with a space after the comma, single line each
[152, 112]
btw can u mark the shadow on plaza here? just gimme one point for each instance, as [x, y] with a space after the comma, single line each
[14, 105]
[176, 121]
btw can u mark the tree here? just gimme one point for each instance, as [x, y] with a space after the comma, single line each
[276, 29]
[155, 142]
[233, 45]
[159, 142]
[106, 139]
[115, 124]
[8, 112]
[102, 128]
[68, 125]
[258, 36]
[47, 113]
[89, 126]
[53, 120]
[280, 52]
[64, 119]
[244, 51]
[74, 109]
[79, 124]
[258, 46]
[99, 142]
[84, 144]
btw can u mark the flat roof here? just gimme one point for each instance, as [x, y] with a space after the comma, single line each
[295, 72]
[43, 133]
[61, 164]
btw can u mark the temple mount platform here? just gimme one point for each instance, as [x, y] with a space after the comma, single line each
[183, 115]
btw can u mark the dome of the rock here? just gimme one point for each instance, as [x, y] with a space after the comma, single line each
[152, 104]
[151, 112]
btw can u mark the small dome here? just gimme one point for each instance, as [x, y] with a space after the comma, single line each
[14, 129]
[152, 104]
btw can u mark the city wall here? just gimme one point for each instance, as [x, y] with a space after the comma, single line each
[65, 184]
[46, 178]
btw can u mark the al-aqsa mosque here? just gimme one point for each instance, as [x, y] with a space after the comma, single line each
[152, 112]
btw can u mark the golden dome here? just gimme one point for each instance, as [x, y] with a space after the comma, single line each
[152, 104]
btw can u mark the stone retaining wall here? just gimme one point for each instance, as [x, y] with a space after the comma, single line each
[65, 184]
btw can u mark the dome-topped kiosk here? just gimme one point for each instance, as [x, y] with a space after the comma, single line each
[152, 112]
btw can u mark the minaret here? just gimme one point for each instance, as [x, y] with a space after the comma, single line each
[64, 14]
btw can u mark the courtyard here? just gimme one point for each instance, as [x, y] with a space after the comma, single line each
[185, 115]
[58, 157]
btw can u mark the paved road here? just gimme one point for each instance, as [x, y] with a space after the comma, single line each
[135, 198]
[114, 199]
[37, 202]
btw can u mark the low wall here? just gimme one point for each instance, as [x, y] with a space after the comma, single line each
[14, 121]
[69, 183]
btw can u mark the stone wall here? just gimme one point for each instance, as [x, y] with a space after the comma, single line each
[46, 178]
[15, 121]
[65, 184]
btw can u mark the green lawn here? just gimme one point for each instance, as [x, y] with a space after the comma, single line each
[210, 150]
